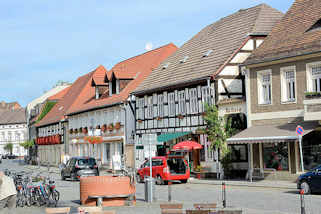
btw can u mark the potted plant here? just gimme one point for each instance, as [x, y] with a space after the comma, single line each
[180, 116]
[158, 118]
[117, 125]
[198, 171]
[70, 131]
[139, 121]
[103, 128]
[76, 131]
[85, 130]
[110, 127]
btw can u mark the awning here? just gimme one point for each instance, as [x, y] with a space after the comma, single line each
[272, 133]
[170, 136]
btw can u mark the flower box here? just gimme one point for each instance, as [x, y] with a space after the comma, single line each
[158, 118]
[110, 127]
[312, 95]
[139, 121]
[85, 130]
[70, 131]
[180, 116]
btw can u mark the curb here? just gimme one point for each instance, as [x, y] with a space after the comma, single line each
[241, 184]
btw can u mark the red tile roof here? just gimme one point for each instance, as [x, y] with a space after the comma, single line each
[137, 68]
[59, 95]
[80, 91]
[99, 75]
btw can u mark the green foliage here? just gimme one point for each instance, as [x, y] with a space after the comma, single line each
[199, 168]
[9, 147]
[27, 144]
[217, 128]
[48, 106]
[312, 94]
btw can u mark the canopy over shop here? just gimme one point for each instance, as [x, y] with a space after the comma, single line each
[273, 146]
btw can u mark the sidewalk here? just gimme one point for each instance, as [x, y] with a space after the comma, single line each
[261, 183]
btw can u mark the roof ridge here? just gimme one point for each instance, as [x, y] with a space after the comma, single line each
[131, 58]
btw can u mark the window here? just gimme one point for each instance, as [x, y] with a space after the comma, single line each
[193, 100]
[316, 78]
[181, 103]
[140, 110]
[264, 87]
[288, 85]
[150, 107]
[206, 95]
[276, 156]
[238, 153]
[160, 105]
[171, 104]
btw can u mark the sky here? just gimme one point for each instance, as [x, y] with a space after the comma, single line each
[42, 42]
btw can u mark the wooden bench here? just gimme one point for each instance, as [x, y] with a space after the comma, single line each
[57, 210]
[205, 206]
[171, 208]
[100, 198]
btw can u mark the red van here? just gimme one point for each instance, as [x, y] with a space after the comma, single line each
[165, 168]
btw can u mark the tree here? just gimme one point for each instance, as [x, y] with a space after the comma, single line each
[27, 144]
[217, 128]
[9, 147]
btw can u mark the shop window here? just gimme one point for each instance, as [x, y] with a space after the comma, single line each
[276, 156]
[238, 153]
[312, 151]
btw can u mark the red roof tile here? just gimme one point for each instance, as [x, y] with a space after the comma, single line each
[99, 75]
[79, 92]
[136, 68]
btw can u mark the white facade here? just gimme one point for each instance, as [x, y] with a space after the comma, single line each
[15, 134]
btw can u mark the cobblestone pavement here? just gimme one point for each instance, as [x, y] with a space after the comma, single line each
[251, 200]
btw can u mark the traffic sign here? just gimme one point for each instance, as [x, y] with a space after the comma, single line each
[299, 130]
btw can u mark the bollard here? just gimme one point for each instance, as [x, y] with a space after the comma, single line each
[224, 194]
[302, 201]
[169, 191]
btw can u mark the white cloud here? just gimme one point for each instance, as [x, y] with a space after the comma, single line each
[148, 46]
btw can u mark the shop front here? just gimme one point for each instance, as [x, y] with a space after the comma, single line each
[274, 150]
[104, 149]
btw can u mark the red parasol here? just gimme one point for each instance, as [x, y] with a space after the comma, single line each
[187, 145]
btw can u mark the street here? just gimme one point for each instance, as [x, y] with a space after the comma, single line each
[250, 199]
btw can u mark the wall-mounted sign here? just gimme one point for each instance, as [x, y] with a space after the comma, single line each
[234, 108]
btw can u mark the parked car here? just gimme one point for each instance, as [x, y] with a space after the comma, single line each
[165, 168]
[310, 181]
[12, 156]
[0, 158]
[77, 167]
[5, 156]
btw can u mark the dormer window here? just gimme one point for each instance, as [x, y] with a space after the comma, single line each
[165, 65]
[97, 93]
[114, 86]
[113, 83]
[184, 59]
[207, 53]
[316, 25]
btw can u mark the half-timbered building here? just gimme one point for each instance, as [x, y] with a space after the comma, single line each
[102, 123]
[170, 102]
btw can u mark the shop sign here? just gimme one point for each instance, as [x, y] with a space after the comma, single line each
[232, 109]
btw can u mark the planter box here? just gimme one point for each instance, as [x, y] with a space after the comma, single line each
[105, 186]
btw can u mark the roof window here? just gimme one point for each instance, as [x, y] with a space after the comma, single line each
[208, 53]
[184, 59]
[317, 25]
[165, 65]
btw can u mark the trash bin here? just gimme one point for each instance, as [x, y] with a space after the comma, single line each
[148, 193]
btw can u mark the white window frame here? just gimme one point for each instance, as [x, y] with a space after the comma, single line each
[160, 105]
[150, 107]
[285, 97]
[181, 103]
[206, 95]
[260, 89]
[140, 110]
[310, 77]
[171, 104]
[193, 98]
